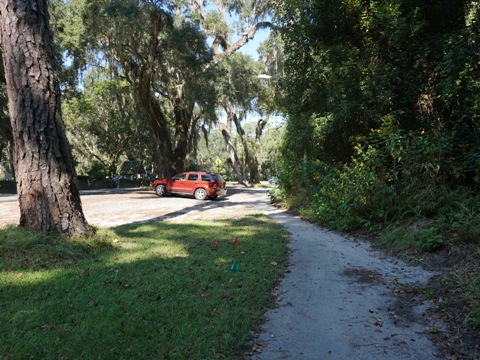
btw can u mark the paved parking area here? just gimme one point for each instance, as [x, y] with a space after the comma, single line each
[118, 207]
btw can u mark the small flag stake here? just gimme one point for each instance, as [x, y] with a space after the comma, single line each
[235, 267]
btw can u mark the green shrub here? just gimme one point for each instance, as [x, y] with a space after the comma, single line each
[276, 195]
[97, 171]
[430, 239]
[394, 174]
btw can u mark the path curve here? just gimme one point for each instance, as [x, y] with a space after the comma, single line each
[342, 300]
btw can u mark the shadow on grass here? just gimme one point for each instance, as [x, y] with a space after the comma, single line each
[163, 291]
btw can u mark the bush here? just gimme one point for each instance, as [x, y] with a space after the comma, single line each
[430, 239]
[276, 195]
[97, 171]
[394, 174]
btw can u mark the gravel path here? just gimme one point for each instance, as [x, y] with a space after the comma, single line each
[341, 300]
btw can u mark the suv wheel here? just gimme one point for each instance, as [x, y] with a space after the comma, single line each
[160, 190]
[200, 194]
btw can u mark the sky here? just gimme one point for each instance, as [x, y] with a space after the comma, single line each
[250, 48]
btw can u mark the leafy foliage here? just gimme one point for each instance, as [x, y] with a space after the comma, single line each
[166, 52]
[383, 111]
[105, 126]
[239, 93]
[382, 135]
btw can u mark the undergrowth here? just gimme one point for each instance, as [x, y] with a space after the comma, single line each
[401, 189]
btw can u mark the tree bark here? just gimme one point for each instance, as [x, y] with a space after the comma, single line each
[185, 131]
[142, 84]
[234, 158]
[45, 174]
[255, 161]
[232, 152]
[160, 130]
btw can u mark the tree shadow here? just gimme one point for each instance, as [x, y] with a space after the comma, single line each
[200, 206]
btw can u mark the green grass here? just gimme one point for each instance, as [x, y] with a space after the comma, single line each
[262, 185]
[417, 235]
[152, 291]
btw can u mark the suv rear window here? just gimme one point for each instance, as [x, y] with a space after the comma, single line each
[218, 178]
[206, 178]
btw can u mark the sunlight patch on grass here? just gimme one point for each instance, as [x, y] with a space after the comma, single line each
[162, 290]
[27, 278]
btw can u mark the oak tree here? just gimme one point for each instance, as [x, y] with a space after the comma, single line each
[44, 169]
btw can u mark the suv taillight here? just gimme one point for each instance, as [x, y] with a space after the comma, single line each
[214, 184]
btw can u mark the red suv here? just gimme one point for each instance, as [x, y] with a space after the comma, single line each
[202, 185]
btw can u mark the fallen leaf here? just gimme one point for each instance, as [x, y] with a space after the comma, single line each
[377, 321]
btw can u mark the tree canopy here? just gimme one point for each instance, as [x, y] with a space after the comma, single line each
[166, 52]
[125, 64]
[386, 93]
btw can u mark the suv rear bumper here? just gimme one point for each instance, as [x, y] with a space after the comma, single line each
[219, 192]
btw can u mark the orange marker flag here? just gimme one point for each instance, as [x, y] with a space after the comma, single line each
[235, 242]
[215, 244]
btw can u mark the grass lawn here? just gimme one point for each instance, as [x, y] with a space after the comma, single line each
[152, 291]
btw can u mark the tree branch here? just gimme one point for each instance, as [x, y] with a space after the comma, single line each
[246, 36]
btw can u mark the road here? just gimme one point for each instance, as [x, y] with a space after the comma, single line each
[339, 299]
[115, 207]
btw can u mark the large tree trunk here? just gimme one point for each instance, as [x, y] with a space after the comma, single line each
[159, 127]
[234, 158]
[183, 117]
[186, 133]
[232, 152]
[44, 170]
[156, 117]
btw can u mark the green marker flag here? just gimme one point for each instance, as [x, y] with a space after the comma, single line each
[235, 267]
